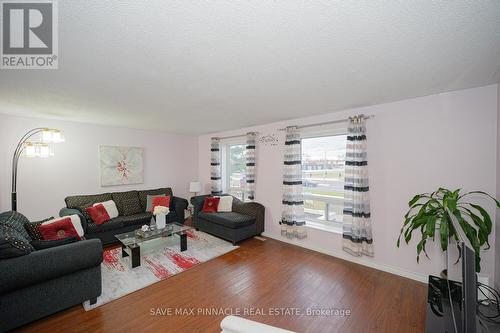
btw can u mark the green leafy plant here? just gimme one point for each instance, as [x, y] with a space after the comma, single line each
[430, 212]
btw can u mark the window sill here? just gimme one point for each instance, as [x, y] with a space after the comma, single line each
[322, 227]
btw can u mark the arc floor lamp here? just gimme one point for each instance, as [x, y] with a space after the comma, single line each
[38, 148]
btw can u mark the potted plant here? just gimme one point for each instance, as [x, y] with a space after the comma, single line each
[429, 212]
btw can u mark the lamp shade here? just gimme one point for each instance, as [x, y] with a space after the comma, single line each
[52, 135]
[37, 149]
[195, 187]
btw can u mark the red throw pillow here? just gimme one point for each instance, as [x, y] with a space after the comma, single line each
[58, 230]
[98, 214]
[160, 201]
[211, 204]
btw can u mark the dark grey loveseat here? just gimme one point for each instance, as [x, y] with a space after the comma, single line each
[246, 220]
[44, 282]
[131, 208]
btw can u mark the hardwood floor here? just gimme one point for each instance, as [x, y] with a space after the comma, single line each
[262, 275]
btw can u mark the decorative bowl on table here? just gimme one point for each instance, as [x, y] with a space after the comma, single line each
[146, 234]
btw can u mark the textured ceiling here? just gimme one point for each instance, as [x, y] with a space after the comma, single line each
[202, 66]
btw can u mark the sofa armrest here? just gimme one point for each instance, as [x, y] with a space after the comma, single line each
[73, 211]
[180, 205]
[252, 209]
[197, 203]
[44, 265]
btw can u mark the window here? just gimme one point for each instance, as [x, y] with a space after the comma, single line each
[233, 169]
[323, 159]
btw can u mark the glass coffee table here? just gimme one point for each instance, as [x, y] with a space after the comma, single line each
[133, 240]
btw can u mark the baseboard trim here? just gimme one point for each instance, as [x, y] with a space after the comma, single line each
[344, 256]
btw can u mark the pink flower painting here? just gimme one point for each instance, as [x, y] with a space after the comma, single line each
[121, 165]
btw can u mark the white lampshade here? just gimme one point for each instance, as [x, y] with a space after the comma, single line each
[195, 187]
[44, 151]
[36, 149]
[30, 150]
[52, 135]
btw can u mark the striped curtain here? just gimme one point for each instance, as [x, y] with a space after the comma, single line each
[357, 228]
[215, 167]
[293, 219]
[250, 165]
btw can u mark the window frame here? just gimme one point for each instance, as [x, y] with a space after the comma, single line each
[225, 161]
[340, 129]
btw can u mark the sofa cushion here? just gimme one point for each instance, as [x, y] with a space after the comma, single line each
[98, 214]
[120, 222]
[139, 219]
[143, 195]
[47, 244]
[225, 204]
[211, 204]
[231, 220]
[15, 221]
[59, 228]
[110, 207]
[39, 267]
[112, 224]
[149, 201]
[75, 222]
[127, 202]
[14, 240]
[81, 202]
[32, 228]
[12, 243]
[162, 201]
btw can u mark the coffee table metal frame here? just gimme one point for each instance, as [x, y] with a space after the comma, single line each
[133, 241]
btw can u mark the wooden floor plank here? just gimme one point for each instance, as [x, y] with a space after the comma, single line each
[260, 275]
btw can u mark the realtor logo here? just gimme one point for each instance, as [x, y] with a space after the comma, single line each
[29, 34]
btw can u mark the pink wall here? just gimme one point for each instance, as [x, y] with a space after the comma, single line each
[415, 146]
[497, 240]
[169, 160]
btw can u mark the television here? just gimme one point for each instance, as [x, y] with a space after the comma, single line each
[452, 298]
[461, 274]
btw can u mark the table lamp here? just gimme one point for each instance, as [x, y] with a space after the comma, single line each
[195, 187]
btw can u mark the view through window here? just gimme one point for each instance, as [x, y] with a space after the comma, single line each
[236, 165]
[323, 161]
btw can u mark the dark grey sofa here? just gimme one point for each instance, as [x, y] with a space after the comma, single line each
[47, 281]
[131, 208]
[246, 220]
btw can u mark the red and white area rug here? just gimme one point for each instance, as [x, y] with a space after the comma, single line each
[158, 262]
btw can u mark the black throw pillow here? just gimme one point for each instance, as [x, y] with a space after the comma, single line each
[16, 221]
[12, 243]
[32, 228]
[45, 244]
[7, 250]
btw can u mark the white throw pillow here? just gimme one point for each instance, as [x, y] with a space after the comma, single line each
[75, 220]
[225, 204]
[110, 207]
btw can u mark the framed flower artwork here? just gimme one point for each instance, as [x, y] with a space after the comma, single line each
[121, 165]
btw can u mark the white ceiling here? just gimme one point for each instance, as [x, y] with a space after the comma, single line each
[203, 66]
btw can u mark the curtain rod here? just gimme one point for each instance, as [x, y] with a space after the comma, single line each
[299, 127]
[232, 136]
[328, 122]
